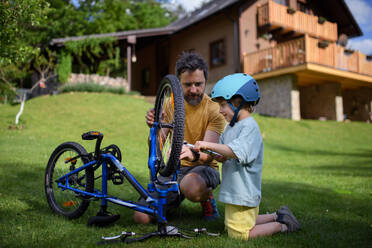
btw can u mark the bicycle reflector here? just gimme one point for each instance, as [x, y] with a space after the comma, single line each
[69, 203]
[67, 160]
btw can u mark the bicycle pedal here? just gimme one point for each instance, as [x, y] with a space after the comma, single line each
[119, 179]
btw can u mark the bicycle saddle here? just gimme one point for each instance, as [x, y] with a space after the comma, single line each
[91, 135]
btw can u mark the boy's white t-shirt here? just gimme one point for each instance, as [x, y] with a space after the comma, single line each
[241, 178]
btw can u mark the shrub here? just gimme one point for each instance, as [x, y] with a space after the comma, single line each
[64, 67]
[91, 87]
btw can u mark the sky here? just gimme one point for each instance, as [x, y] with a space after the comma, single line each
[361, 10]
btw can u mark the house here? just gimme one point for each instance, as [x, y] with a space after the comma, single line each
[295, 49]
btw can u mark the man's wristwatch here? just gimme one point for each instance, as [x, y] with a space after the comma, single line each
[196, 155]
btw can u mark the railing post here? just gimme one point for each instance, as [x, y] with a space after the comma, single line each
[358, 61]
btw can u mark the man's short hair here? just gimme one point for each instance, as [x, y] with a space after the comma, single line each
[190, 61]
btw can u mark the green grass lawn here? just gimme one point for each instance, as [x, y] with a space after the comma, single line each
[321, 170]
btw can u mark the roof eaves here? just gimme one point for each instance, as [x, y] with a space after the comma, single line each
[354, 22]
[117, 35]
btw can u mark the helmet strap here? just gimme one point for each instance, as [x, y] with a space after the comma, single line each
[236, 112]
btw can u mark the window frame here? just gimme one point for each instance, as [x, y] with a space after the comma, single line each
[221, 53]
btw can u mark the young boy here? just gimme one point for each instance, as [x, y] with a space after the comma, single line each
[241, 151]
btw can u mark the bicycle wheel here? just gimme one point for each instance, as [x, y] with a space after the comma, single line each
[65, 158]
[170, 116]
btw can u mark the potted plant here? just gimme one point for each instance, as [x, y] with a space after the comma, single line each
[321, 19]
[266, 36]
[348, 51]
[323, 43]
[291, 10]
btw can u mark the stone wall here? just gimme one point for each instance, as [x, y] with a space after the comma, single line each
[102, 80]
[279, 97]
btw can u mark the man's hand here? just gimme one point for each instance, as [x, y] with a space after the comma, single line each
[186, 154]
[150, 117]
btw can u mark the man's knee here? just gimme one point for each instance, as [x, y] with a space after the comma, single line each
[195, 188]
[141, 218]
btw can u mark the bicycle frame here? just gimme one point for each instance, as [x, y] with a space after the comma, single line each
[156, 205]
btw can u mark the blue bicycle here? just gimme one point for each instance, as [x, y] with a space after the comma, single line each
[70, 173]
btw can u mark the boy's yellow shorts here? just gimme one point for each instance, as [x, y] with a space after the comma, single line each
[239, 220]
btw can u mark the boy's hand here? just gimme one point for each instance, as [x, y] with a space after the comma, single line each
[200, 145]
[204, 146]
[150, 117]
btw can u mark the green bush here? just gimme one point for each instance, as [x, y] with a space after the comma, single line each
[64, 67]
[91, 87]
[6, 93]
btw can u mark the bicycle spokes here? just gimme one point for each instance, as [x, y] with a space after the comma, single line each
[165, 131]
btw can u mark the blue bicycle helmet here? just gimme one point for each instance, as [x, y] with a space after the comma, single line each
[237, 84]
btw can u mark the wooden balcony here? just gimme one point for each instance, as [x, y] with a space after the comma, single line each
[307, 50]
[275, 17]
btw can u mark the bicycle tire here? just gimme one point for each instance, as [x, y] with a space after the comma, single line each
[66, 202]
[170, 116]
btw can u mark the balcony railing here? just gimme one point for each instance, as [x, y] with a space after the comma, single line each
[306, 50]
[276, 15]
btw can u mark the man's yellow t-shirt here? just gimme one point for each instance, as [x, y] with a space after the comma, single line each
[200, 118]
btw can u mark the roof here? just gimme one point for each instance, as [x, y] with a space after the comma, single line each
[196, 16]
[207, 10]
[354, 26]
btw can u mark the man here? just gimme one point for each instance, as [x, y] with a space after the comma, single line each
[199, 172]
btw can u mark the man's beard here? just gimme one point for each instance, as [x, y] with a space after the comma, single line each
[193, 100]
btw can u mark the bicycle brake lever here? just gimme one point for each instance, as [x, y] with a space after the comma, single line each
[204, 231]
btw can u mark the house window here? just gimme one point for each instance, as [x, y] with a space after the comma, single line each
[217, 53]
[282, 2]
[303, 7]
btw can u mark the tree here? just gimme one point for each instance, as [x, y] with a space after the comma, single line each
[18, 20]
[102, 55]
[18, 44]
[27, 27]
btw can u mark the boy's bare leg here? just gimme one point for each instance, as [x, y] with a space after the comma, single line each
[265, 229]
[265, 218]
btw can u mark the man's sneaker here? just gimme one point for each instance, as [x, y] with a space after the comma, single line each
[285, 216]
[210, 211]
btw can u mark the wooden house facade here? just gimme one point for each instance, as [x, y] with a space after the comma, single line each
[295, 49]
